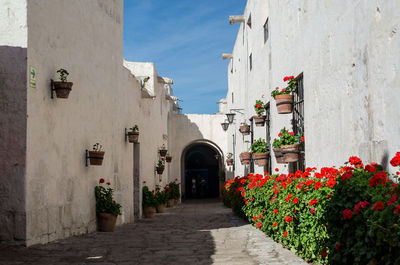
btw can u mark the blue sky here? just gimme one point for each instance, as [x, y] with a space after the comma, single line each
[185, 39]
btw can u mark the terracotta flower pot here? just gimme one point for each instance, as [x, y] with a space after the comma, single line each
[245, 129]
[229, 161]
[261, 159]
[149, 211]
[279, 156]
[96, 158]
[245, 158]
[160, 170]
[62, 89]
[290, 153]
[168, 159]
[163, 152]
[161, 208]
[259, 120]
[171, 203]
[106, 222]
[133, 137]
[284, 103]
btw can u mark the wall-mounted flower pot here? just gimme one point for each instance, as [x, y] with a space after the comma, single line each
[284, 103]
[168, 159]
[279, 156]
[96, 158]
[245, 129]
[290, 153]
[149, 212]
[245, 158]
[160, 170]
[163, 152]
[261, 159]
[259, 120]
[62, 89]
[161, 208]
[133, 137]
[229, 161]
[106, 222]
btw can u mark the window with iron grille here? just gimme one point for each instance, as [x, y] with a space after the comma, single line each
[298, 122]
[266, 31]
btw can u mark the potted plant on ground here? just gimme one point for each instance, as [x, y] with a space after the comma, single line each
[259, 119]
[260, 150]
[176, 194]
[168, 158]
[133, 134]
[229, 159]
[160, 166]
[96, 156]
[62, 88]
[149, 202]
[283, 98]
[161, 198]
[244, 128]
[107, 209]
[288, 143]
[163, 151]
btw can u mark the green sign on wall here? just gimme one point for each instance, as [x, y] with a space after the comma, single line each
[32, 76]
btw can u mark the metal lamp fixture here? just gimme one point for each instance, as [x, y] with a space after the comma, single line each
[225, 125]
[230, 117]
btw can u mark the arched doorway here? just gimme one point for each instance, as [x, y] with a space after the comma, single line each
[201, 164]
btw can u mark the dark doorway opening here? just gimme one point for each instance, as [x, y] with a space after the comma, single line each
[201, 172]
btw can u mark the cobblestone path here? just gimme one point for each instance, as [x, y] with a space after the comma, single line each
[195, 232]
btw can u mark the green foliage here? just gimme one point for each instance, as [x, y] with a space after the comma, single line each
[291, 87]
[105, 202]
[173, 190]
[259, 107]
[63, 74]
[286, 138]
[135, 128]
[161, 195]
[229, 155]
[259, 146]
[149, 200]
[161, 162]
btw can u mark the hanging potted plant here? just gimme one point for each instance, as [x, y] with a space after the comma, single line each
[163, 151]
[161, 198]
[62, 88]
[168, 158]
[260, 152]
[160, 166]
[277, 151]
[244, 128]
[229, 159]
[288, 143]
[96, 156]
[107, 209]
[245, 157]
[259, 119]
[283, 98]
[149, 202]
[133, 134]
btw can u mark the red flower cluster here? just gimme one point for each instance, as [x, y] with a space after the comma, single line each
[370, 168]
[347, 175]
[285, 233]
[287, 78]
[288, 219]
[101, 181]
[347, 214]
[355, 161]
[360, 205]
[275, 211]
[259, 224]
[379, 206]
[295, 200]
[379, 178]
[313, 201]
[395, 160]
[392, 200]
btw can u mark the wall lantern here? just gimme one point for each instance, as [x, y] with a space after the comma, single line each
[225, 125]
[230, 117]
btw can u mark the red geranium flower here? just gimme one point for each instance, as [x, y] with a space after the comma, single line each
[347, 175]
[108, 183]
[378, 206]
[295, 200]
[285, 233]
[259, 224]
[318, 185]
[397, 209]
[258, 105]
[283, 89]
[313, 211]
[275, 211]
[347, 214]
[291, 133]
[288, 219]
[370, 168]
[276, 88]
[289, 197]
[323, 253]
[275, 224]
[313, 201]
[392, 200]
[259, 215]
[395, 160]
[255, 218]
[302, 139]
[101, 181]
[276, 169]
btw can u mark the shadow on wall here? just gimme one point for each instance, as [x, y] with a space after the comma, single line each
[13, 115]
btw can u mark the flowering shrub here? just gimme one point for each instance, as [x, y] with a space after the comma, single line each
[286, 138]
[104, 199]
[332, 216]
[173, 190]
[149, 198]
[259, 146]
[259, 107]
[161, 195]
[291, 87]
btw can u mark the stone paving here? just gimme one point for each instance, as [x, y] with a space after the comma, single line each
[195, 232]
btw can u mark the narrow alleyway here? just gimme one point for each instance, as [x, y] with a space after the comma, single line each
[195, 232]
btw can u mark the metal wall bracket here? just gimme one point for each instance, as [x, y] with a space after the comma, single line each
[52, 89]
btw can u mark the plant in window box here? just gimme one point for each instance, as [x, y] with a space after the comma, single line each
[259, 119]
[283, 98]
[168, 158]
[96, 156]
[287, 145]
[133, 134]
[163, 151]
[260, 152]
[229, 159]
[244, 128]
[160, 166]
[161, 198]
[149, 202]
[62, 88]
[107, 209]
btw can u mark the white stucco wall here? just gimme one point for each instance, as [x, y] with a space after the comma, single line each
[349, 53]
[13, 23]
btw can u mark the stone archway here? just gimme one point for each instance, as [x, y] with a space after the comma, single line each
[201, 160]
